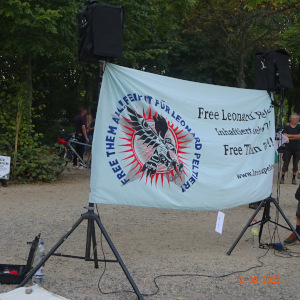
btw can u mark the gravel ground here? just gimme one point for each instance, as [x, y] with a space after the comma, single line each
[150, 241]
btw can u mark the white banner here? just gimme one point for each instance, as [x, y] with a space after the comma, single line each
[169, 143]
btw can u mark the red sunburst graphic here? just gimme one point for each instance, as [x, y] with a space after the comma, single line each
[137, 153]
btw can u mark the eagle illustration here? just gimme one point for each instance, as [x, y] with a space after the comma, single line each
[164, 150]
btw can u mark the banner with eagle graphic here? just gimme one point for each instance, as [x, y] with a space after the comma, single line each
[169, 143]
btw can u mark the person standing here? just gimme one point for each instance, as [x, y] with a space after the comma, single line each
[80, 135]
[91, 128]
[292, 239]
[292, 147]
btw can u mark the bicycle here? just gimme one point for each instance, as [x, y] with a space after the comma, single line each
[68, 141]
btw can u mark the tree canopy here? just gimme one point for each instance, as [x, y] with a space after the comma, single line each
[42, 84]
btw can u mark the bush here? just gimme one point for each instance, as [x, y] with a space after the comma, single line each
[40, 163]
[37, 164]
[30, 160]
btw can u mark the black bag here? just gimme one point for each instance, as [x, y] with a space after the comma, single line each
[100, 32]
[22, 270]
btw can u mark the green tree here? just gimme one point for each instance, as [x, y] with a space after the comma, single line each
[232, 33]
[290, 41]
[42, 83]
[28, 29]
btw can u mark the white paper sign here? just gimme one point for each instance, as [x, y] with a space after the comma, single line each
[280, 140]
[220, 222]
[4, 167]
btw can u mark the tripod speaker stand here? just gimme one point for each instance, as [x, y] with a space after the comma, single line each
[265, 218]
[91, 218]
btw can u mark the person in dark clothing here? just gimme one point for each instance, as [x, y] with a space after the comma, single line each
[292, 147]
[80, 135]
[91, 127]
[91, 130]
[292, 239]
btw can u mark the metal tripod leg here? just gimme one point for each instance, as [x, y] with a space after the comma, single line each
[286, 219]
[118, 257]
[265, 218]
[91, 237]
[245, 228]
[91, 217]
[51, 252]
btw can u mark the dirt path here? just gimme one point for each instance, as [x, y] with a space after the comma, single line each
[150, 241]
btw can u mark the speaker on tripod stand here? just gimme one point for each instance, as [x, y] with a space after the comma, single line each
[272, 71]
[100, 32]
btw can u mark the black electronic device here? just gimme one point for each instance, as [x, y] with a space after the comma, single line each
[272, 71]
[100, 32]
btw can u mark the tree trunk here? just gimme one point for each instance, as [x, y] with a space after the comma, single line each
[88, 92]
[241, 74]
[18, 123]
[24, 102]
[26, 77]
[241, 58]
[289, 107]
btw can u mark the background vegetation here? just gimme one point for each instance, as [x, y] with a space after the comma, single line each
[42, 84]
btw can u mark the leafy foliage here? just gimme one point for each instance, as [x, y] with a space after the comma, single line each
[32, 161]
[42, 83]
[37, 164]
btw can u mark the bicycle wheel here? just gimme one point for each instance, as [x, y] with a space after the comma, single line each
[88, 158]
[63, 153]
[65, 156]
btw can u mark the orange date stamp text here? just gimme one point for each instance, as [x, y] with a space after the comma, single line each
[256, 279]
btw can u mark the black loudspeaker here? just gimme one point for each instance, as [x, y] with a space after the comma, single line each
[100, 32]
[272, 71]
